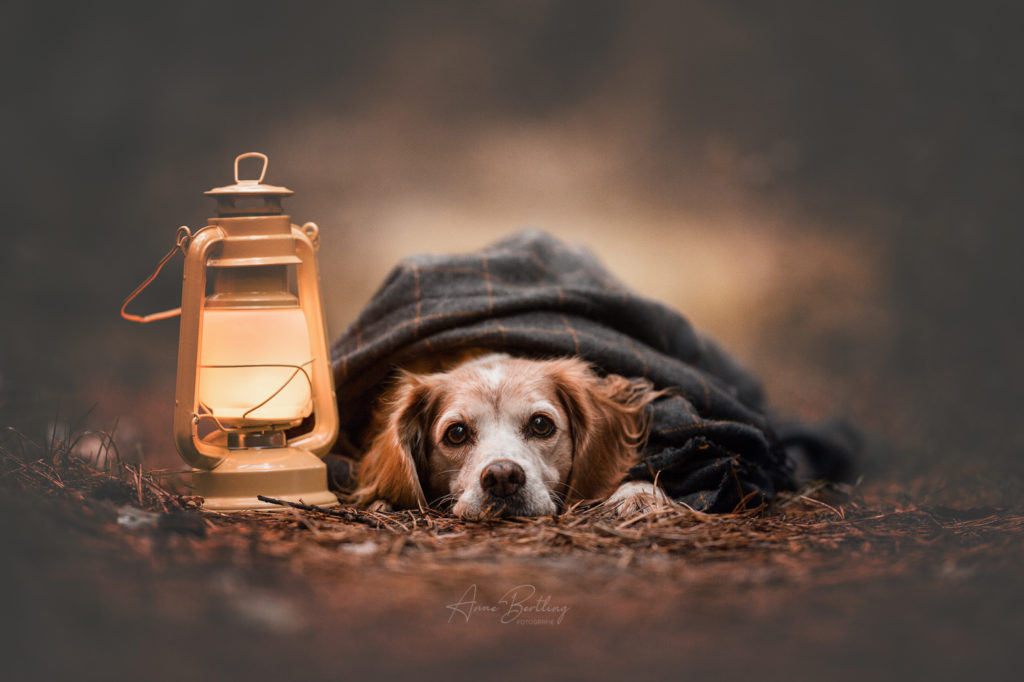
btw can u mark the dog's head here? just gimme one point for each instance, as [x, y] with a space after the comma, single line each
[505, 436]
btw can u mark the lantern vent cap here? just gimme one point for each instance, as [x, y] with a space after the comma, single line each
[250, 187]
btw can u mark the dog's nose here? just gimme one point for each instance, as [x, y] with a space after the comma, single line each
[502, 478]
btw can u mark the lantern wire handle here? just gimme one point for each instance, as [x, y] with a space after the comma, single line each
[298, 369]
[182, 240]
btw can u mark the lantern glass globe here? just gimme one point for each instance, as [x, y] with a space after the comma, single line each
[255, 366]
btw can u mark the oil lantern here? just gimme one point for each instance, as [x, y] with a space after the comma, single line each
[254, 408]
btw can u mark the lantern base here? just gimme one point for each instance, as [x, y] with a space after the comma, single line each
[287, 474]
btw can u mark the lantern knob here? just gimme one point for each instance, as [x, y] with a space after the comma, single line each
[251, 155]
[236, 199]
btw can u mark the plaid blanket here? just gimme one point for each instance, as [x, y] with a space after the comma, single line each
[712, 445]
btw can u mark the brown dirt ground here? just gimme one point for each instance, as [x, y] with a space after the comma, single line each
[848, 582]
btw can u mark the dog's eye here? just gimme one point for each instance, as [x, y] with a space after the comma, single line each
[456, 434]
[541, 426]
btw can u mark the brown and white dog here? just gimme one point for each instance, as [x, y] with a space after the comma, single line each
[506, 436]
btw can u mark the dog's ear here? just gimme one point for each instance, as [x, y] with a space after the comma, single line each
[608, 421]
[392, 468]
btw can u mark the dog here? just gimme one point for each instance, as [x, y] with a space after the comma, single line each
[506, 436]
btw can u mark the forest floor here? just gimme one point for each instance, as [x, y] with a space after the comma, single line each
[111, 574]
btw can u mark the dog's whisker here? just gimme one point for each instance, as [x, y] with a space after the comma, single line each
[445, 500]
[556, 496]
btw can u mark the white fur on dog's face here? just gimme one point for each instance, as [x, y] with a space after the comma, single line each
[496, 407]
[503, 435]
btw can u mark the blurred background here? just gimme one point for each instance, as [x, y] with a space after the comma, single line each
[831, 190]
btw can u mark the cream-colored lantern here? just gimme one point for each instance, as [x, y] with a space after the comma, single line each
[254, 408]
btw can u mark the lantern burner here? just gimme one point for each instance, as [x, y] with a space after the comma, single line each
[256, 440]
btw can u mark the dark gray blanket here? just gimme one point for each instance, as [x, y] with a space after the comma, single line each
[712, 445]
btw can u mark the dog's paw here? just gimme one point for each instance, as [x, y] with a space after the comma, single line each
[636, 497]
[380, 506]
